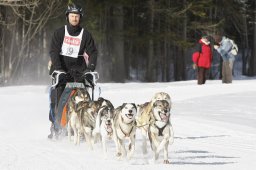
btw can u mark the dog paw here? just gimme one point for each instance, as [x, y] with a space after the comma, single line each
[130, 147]
[156, 156]
[144, 150]
[129, 156]
[167, 162]
[118, 154]
[50, 136]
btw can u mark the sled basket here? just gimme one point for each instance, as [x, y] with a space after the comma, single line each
[90, 81]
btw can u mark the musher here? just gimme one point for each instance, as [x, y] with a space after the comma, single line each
[73, 52]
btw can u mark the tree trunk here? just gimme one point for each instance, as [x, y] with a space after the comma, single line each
[118, 44]
[245, 45]
[180, 59]
[183, 64]
[150, 65]
[2, 46]
[252, 70]
[104, 62]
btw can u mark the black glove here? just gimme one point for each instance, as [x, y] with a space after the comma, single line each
[91, 67]
[68, 77]
[55, 72]
[62, 79]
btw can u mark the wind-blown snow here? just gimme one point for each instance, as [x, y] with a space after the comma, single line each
[214, 125]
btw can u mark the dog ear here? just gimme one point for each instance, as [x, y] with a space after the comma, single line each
[134, 105]
[123, 105]
[100, 111]
[154, 104]
[109, 104]
[100, 100]
[118, 110]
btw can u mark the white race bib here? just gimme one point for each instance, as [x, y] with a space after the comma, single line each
[71, 44]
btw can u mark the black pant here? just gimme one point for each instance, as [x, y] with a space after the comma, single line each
[201, 75]
[55, 95]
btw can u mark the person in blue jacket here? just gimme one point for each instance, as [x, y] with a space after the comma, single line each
[224, 47]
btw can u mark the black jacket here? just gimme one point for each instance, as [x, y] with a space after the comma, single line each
[68, 64]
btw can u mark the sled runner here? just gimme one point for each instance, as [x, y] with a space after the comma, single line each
[58, 110]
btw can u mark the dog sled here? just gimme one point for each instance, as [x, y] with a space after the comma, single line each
[58, 110]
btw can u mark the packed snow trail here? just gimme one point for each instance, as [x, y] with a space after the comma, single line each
[214, 127]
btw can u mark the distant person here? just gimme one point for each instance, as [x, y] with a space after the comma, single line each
[202, 59]
[73, 52]
[224, 47]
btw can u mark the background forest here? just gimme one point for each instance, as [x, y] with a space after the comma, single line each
[137, 40]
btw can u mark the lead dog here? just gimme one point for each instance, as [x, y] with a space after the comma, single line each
[124, 127]
[145, 116]
[161, 132]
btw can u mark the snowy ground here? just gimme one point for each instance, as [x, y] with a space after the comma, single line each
[214, 125]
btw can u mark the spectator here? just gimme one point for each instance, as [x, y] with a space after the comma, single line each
[202, 59]
[224, 46]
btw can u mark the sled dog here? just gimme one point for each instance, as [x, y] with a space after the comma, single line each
[145, 109]
[80, 95]
[145, 116]
[124, 127]
[73, 105]
[160, 132]
[103, 103]
[82, 119]
[106, 115]
[162, 96]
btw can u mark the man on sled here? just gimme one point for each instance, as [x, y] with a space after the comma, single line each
[73, 55]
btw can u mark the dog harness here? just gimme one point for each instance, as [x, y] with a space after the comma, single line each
[126, 135]
[160, 130]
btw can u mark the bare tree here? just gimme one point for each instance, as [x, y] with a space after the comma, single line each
[26, 18]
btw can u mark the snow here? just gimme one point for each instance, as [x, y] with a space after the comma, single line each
[214, 126]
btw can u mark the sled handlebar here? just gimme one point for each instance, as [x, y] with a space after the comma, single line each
[55, 77]
[91, 77]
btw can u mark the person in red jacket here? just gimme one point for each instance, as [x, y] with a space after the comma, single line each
[202, 59]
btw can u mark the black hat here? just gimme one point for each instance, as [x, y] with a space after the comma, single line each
[72, 8]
